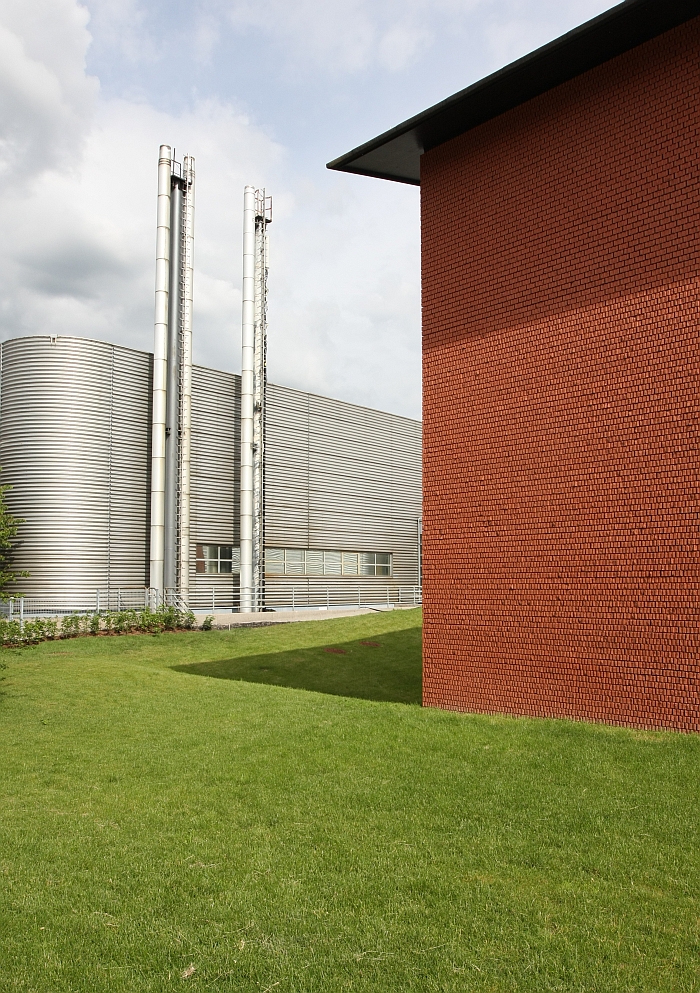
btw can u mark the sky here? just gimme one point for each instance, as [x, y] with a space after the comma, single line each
[260, 92]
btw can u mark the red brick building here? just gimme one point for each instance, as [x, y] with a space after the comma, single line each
[561, 341]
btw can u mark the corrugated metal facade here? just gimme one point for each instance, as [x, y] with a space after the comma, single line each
[341, 477]
[214, 479]
[74, 444]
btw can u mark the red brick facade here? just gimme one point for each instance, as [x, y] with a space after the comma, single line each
[561, 310]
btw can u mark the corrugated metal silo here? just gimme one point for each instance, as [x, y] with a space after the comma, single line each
[74, 445]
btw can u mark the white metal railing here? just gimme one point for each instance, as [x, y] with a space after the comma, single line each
[18, 607]
[125, 598]
[313, 596]
[213, 600]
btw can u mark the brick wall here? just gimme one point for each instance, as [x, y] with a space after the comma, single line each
[562, 403]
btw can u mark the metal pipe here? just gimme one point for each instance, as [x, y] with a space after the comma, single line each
[172, 406]
[186, 383]
[247, 366]
[259, 393]
[160, 370]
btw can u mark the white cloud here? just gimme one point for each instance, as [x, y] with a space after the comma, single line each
[399, 45]
[344, 294]
[54, 33]
[124, 26]
[514, 29]
[345, 35]
[46, 97]
[80, 259]
[78, 175]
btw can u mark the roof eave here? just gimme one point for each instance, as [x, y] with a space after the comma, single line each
[395, 154]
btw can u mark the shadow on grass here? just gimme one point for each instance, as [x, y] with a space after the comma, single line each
[384, 667]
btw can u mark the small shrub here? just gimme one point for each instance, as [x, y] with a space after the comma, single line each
[133, 620]
[119, 621]
[10, 633]
[50, 628]
[32, 632]
[151, 620]
[171, 618]
[3, 630]
[145, 620]
[70, 626]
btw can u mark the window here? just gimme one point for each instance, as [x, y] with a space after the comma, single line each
[274, 561]
[217, 559]
[294, 562]
[314, 562]
[375, 563]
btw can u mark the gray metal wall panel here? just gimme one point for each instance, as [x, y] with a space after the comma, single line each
[74, 427]
[342, 476]
[215, 477]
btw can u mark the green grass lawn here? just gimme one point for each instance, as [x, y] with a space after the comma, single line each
[288, 826]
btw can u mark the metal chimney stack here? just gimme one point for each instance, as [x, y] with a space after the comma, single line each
[172, 380]
[257, 214]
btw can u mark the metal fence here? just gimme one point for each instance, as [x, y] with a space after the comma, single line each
[124, 598]
[305, 597]
[215, 600]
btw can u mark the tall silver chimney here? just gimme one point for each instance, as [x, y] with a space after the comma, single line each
[172, 380]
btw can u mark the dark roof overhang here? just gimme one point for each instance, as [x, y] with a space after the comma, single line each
[396, 153]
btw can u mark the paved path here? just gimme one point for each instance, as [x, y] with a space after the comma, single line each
[264, 619]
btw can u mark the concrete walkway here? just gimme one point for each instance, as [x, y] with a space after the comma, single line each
[229, 621]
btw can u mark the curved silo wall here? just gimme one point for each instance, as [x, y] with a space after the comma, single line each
[74, 446]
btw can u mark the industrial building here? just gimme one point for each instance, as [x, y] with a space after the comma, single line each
[130, 469]
[560, 199]
[342, 486]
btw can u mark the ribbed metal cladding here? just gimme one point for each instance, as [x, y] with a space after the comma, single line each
[214, 479]
[74, 445]
[337, 476]
[341, 476]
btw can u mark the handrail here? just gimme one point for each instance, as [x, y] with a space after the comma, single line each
[304, 596]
